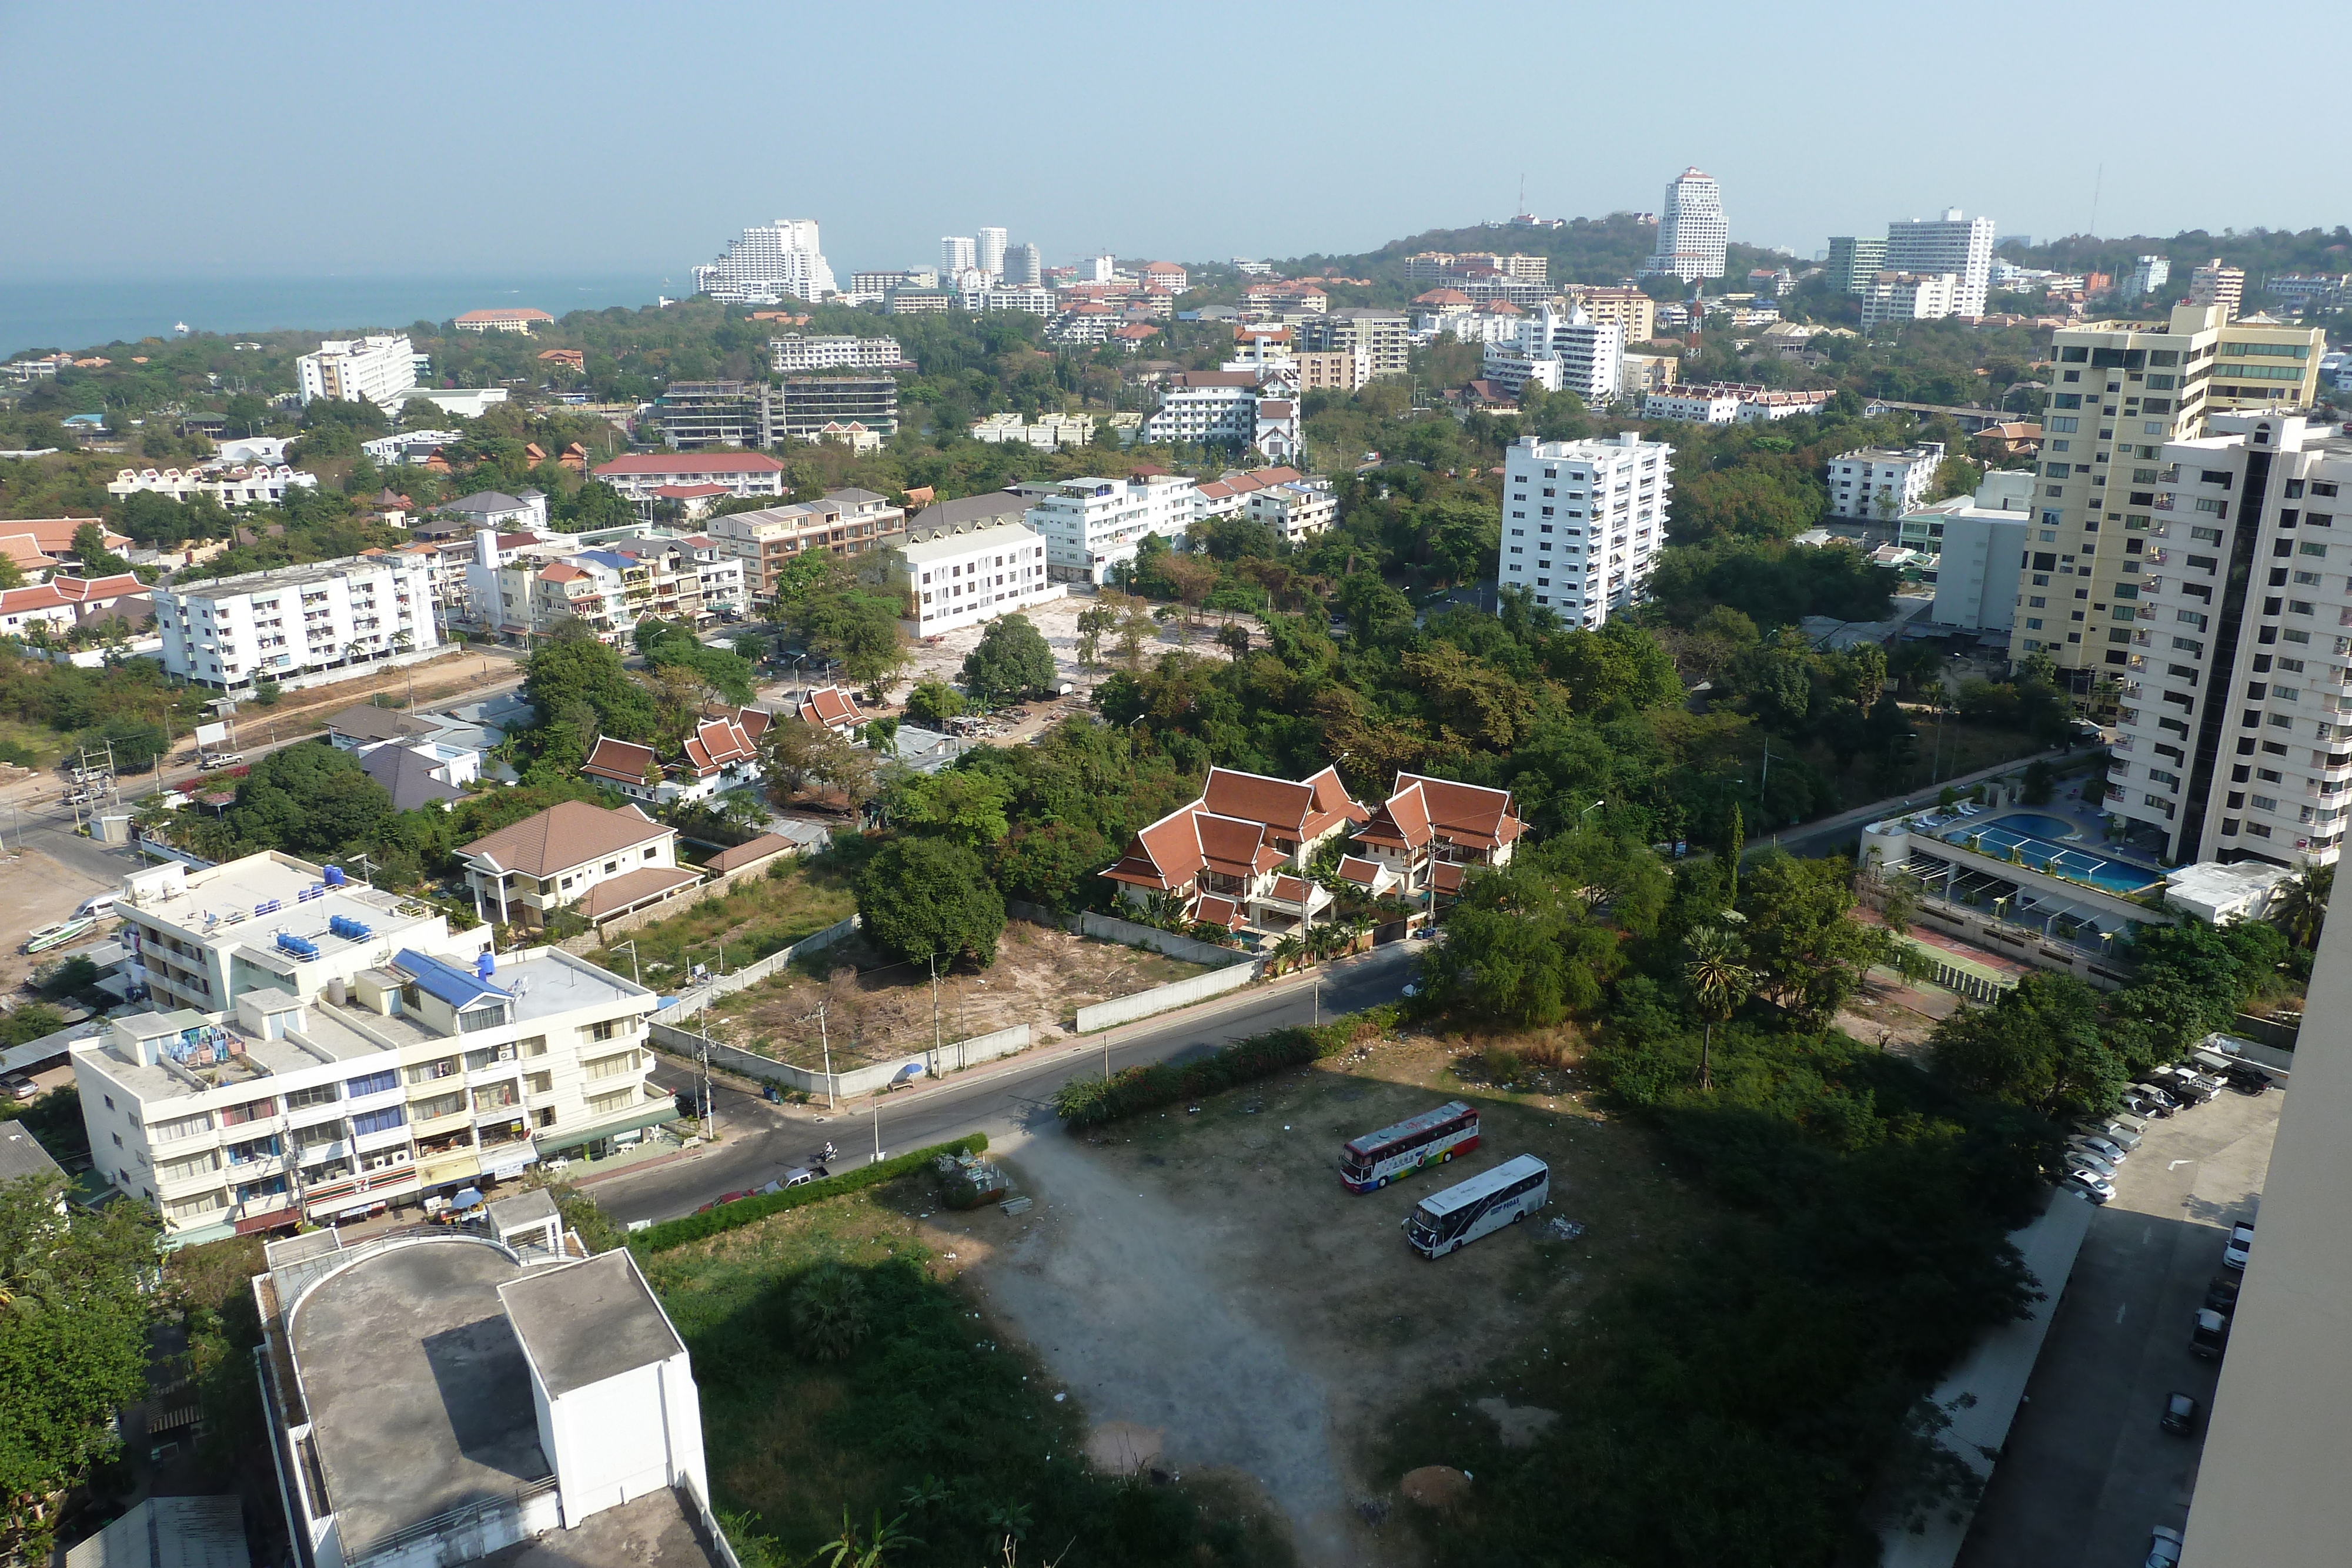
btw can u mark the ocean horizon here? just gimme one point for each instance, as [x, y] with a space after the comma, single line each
[77, 315]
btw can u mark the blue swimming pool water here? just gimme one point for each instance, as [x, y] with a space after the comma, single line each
[1996, 839]
[2034, 825]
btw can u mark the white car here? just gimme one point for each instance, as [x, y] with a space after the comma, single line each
[2239, 1248]
[2091, 1185]
[100, 905]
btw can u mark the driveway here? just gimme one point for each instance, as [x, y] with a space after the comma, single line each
[2088, 1470]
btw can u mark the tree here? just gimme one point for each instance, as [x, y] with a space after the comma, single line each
[96, 561]
[2040, 1047]
[312, 800]
[1718, 983]
[1095, 622]
[791, 753]
[2299, 907]
[73, 1342]
[574, 674]
[963, 806]
[828, 1313]
[859, 628]
[136, 743]
[925, 898]
[933, 702]
[1012, 660]
[1800, 943]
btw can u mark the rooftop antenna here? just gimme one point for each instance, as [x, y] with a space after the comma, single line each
[1523, 193]
[2097, 180]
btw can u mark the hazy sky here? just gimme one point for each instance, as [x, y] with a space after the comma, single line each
[146, 140]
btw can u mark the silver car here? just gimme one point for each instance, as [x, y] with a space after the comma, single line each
[2083, 1159]
[2090, 1142]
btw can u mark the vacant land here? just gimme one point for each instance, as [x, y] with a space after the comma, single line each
[1204, 1281]
[35, 890]
[751, 920]
[875, 1007]
[930, 1415]
[1057, 621]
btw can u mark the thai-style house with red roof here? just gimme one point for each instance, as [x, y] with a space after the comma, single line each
[723, 753]
[1238, 856]
[1431, 832]
[833, 708]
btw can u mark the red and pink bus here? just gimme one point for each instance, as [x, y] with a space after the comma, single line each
[1431, 1138]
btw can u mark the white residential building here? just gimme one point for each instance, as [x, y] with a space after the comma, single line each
[963, 576]
[297, 623]
[766, 265]
[990, 257]
[1025, 267]
[648, 475]
[1561, 352]
[364, 1060]
[794, 353]
[1693, 231]
[2214, 284]
[958, 254]
[1255, 407]
[1875, 484]
[230, 484]
[1092, 526]
[1730, 403]
[2235, 726]
[1583, 521]
[1979, 543]
[1296, 512]
[1029, 301]
[2149, 274]
[380, 370]
[1909, 296]
[1952, 244]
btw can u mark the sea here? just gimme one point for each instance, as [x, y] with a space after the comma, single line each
[90, 315]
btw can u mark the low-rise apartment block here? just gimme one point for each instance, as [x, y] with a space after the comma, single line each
[1721, 403]
[1891, 297]
[694, 414]
[297, 623]
[1583, 521]
[640, 475]
[574, 856]
[1979, 543]
[1559, 353]
[847, 522]
[1226, 407]
[1383, 337]
[230, 484]
[1093, 527]
[812, 402]
[1296, 512]
[2235, 714]
[378, 369]
[952, 576]
[795, 353]
[1878, 484]
[1332, 370]
[509, 319]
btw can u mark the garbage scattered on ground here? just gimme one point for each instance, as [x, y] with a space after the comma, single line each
[1016, 1206]
[1566, 1230]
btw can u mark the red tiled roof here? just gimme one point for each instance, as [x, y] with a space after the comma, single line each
[1401, 822]
[516, 541]
[41, 596]
[691, 462]
[1467, 814]
[561, 572]
[754, 721]
[1359, 870]
[1217, 910]
[525, 314]
[1290, 889]
[565, 835]
[1446, 876]
[622, 761]
[831, 706]
[715, 743]
[100, 590]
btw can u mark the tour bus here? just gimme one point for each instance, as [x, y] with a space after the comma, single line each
[1450, 1221]
[1431, 1138]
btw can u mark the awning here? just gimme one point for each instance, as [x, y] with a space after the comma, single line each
[653, 1116]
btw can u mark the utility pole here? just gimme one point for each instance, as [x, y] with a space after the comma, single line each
[934, 961]
[877, 1122]
[632, 946]
[709, 1105]
[824, 1044]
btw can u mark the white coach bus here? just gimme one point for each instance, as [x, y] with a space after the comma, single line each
[1447, 1221]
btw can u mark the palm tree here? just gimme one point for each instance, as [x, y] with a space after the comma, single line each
[828, 1313]
[852, 1548]
[1718, 982]
[2299, 908]
[1286, 953]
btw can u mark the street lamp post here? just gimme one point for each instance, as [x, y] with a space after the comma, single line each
[632, 946]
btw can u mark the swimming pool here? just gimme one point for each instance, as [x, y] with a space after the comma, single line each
[2035, 825]
[1997, 839]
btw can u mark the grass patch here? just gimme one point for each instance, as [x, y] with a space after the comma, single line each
[926, 1416]
[753, 918]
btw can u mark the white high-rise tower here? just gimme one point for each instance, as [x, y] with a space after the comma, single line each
[767, 262]
[992, 253]
[1961, 247]
[1693, 232]
[958, 254]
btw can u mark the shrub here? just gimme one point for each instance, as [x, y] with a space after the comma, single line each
[1092, 1101]
[828, 1313]
[751, 1211]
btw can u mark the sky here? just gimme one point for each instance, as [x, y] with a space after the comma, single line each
[154, 140]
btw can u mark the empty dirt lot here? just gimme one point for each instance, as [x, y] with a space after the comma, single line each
[1205, 1284]
[35, 890]
[874, 1009]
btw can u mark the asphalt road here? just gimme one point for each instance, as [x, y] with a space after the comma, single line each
[760, 1142]
[2088, 1471]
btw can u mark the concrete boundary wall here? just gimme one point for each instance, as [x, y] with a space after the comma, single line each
[671, 902]
[753, 974]
[1165, 998]
[1128, 933]
[952, 1057]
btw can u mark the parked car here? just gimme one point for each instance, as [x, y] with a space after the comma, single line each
[2239, 1248]
[2221, 1294]
[2185, 1085]
[2090, 1144]
[2116, 1132]
[2084, 1160]
[2247, 1079]
[2209, 1336]
[2180, 1412]
[17, 1086]
[723, 1197]
[2158, 1095]
[2163, 1547]
[2091, 1185]
[213, 759]
[2130, 1123]
[2141, 1104]
[97, 906]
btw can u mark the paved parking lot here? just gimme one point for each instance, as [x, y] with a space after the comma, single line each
[2088, 1470]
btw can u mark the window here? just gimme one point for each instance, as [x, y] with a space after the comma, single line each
[368, 1122]
[440, 1105]
[495, 1096]
[611, 1066]
[547, 1117]
[2314, 547]
[605, 1104]
[602, 1031]
[185, 1127]
[540, 1082]
[535, 1046]
[320, 1094]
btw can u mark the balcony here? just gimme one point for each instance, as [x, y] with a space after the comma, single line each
[456, 1166]
[422, 1127]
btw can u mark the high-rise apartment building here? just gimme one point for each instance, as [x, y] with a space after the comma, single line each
[1570, 352]
[2263, 363]
[1025, 267]
[380, 370]
[1634, 313]
[1693, 231]
[1093, 527]
[2149, 274]
[958, 254]
[990, 259]
[1910, 297]
[1961, 247]
[1383, 337]
[794, 352]
[2214, 284]
[297, 621]
[2235, 710]
[1855, 260]
[718, 413]
[1583, 521]
[767, 263]
[2120, 391]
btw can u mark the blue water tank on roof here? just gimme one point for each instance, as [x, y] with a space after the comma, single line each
[485, 966]
[335, 876]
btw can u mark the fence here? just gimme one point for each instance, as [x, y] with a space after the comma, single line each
[664, 908]
[1163, 999]
[951, 1057]
[753, 974]
[1128, 933]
